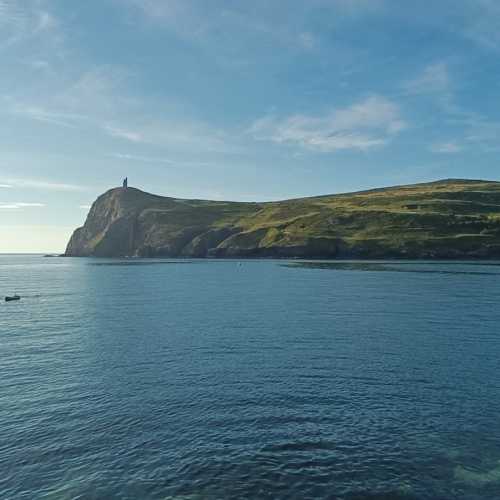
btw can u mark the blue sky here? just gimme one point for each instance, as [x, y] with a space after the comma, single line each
[237, 100]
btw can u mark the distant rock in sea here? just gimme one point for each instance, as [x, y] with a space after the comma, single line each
[452, 219]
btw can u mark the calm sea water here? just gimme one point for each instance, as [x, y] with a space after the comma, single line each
[210, 379]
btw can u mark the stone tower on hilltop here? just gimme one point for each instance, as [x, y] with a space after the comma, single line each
[125, 183]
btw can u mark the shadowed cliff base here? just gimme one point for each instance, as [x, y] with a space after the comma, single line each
[449, 219]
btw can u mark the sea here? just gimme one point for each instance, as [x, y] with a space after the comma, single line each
[252, 379]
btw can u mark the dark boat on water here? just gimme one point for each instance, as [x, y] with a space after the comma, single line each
[12, 297]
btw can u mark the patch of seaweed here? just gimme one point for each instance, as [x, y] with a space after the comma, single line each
[477, 477]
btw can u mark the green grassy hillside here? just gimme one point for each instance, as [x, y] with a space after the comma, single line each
[444, 219]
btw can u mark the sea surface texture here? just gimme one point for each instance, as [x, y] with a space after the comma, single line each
[165, 379]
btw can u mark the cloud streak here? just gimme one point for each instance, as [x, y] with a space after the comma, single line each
[121, 133]
[98, 100]
[450, 147]
[365, 125]
[19, 205]
[22, 21]
[37, 113]
[43, 185]
[160, 160]
[433, 79]
[181, 135]
[483, 23]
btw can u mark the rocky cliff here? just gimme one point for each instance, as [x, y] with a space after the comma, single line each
[444, 219]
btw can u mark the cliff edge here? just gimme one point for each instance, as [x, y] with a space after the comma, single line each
[445, 219]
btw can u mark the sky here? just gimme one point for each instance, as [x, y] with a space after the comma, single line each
[239, 100]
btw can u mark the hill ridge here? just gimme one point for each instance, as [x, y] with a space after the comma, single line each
[342, 193]
[448, 218]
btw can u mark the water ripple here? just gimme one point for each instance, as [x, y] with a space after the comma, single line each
[155, 379]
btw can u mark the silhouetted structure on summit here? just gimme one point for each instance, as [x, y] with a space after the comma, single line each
[125, 183]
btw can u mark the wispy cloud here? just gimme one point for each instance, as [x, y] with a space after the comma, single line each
[20, 21]
[162, 10]
[85, 207]
[476, 129]
[451, 147]
[365, 125]
[89, 99]
[99, 90]
[39, 64]
[228, 29]
[37, 113]
[482, 24]
[160, 160]
[43, 185]
[434, 78]
[182, 134]
[45, 21]
[99, 100]
[139, 158]
[19, 205]
[121, 133]
[5, 186]
[482, 132]
[12, 13]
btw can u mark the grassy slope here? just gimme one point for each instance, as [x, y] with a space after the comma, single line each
[437, 218]
[450, 218]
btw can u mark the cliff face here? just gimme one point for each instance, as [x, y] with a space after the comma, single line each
[445, 219]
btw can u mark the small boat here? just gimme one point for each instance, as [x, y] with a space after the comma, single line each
[12, 297]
